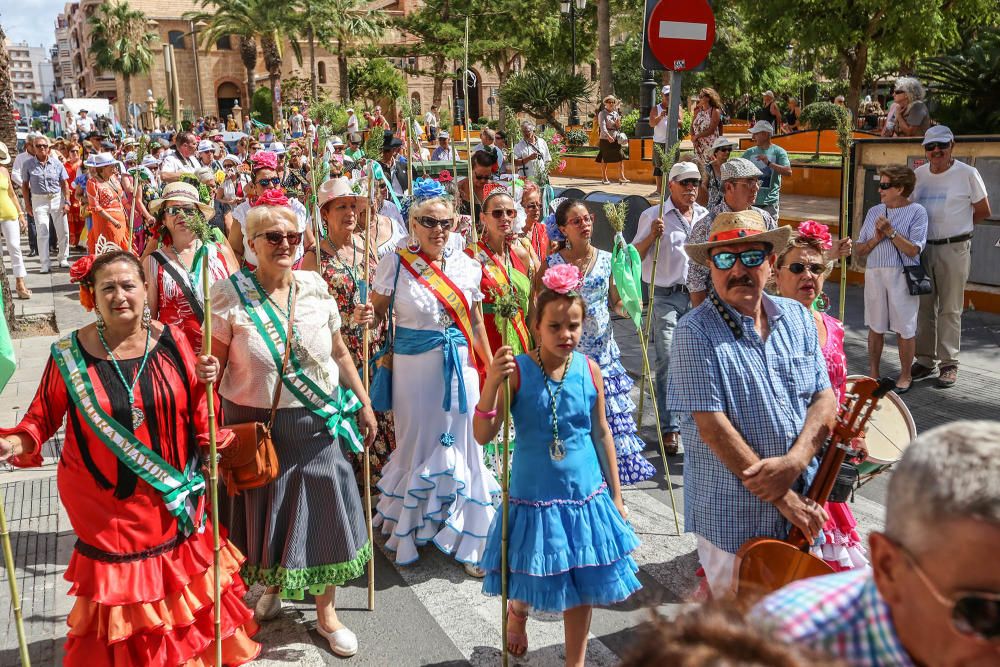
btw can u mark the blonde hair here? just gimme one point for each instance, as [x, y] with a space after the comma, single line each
[261, 217]
[418, 209]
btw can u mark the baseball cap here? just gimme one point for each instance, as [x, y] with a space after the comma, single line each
[937, 133]
[665, 90]
[683, 170]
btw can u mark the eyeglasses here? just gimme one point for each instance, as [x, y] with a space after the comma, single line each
[179, 210]
[973, 613]
[269, 182]
[498, 213]
[936, 145]
[725, 149]
[799, 267]
[582, 220]
[430, 223]
[748, 258]
[899, 92]
[275, 238]
[751, 183]
[887, 186]
[690, 182]
[42, 147]
[532, 207]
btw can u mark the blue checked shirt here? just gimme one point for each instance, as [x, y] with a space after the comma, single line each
[909, 221]
[841, 615]
[763, 387]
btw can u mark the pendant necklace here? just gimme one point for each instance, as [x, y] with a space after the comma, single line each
[296, 342]
[192, 278]
[138, 416]
[557, 448]
[351, 270]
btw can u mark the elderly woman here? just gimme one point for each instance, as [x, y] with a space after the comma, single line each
[908, 115]
[345, 269]
[800, 271]
[712, 191]
[893, 236]
[141, 569]
[435, 487]
[534, 229]
[106, 203]
[609, 121]
[176, 269]
[707, 123]
[305, 531]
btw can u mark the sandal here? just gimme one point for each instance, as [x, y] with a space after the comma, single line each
[606, 182]
[516, 639]
[23, 293]
[623, 181]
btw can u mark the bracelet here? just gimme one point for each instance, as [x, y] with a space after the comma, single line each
[482, 414]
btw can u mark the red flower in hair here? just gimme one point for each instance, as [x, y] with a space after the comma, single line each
[81, 269]
[444, 176]
[271, 197]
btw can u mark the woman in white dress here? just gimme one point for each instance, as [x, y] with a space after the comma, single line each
[435, 486]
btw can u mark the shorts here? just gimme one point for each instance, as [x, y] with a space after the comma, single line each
[889, 306]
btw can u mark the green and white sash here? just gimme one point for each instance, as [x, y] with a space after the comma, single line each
[336, 410]
[180, 490]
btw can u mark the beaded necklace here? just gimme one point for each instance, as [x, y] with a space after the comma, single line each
[138, 416]
[192, 279]
[557, 448]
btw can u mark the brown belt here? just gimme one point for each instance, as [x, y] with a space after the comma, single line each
[95, 553]
[951, 239]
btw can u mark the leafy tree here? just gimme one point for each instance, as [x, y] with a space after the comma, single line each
[261, 108]
[439, 29]
[821, 116]
[231, 17]
[8, 135]
[277, 26]
[161, 109]
[627, 76]
[376, 79]
[604, 64]
[541, 92]
[342, 26]
[121, 43]
[331, 115]
[966, 85]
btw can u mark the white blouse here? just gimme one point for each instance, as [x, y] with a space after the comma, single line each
[415, 306]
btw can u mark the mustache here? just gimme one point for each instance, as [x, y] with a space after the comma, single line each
[739, 281]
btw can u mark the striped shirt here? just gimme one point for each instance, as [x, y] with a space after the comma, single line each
[763, 387]
[842, 615]
[909, 221]
[698, 276]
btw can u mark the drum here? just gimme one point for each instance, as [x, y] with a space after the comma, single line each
[887, 434]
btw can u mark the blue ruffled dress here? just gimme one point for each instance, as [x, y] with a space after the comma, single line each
[568, 545]
[598, 343]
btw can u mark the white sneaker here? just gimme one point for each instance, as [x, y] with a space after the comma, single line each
[268, 607]
[343, 642]
[474, 571]
[64, 264]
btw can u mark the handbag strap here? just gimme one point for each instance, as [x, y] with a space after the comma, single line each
[284, 360]
[186, 289]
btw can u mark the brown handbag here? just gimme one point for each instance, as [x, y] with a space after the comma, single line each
[250, 461]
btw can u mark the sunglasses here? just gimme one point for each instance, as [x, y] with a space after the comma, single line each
[272, 182]
[887, 186]
[532, 207]
[936, 145]
[973, 613]
[499, 213]
[275, 238]
[726, 149]
[748, 258]
[690, 182]
[428, 222]
[898, 92]
[179, 210]
[799, 267]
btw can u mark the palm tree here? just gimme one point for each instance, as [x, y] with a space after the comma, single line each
[121, 42]
[231, 17]
[604, 47]
[351, 22]
[277, 24]
[8, 135]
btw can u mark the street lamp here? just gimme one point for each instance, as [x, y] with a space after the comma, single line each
[570, 7]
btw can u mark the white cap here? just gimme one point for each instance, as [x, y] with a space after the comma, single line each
[442, 135]
[336, 141]
[149, 160]
[277, 148]
[762, 126]
[720, 142]
[683, 170]
[665, 90]
[205, 145]
[131, 156]
[937, 133]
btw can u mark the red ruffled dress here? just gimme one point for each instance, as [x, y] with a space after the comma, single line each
[174, 308]
[843, 548]
[144, 591]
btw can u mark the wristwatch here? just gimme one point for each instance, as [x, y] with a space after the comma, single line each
[893, 235]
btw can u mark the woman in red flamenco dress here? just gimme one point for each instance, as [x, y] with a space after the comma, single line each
[141, 570]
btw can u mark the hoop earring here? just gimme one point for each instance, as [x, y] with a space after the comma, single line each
[147, 316]
[101, 324]
[822, 303]
[413, 244]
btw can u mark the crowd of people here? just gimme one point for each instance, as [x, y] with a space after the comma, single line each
[454, 295]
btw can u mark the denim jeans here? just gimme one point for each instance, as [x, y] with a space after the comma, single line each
[667, 309]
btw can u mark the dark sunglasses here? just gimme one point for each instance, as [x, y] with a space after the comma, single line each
[275, 238]
[936, 145]
[690, 182]
[748, 258]
[887, 186]
[179, 210]
[799, 267]
[727, 149]
[430, 223]
[498, 213]
[898, 92]
[532, 207]
[269, 182]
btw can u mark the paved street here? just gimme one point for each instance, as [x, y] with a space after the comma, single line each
[431, 613]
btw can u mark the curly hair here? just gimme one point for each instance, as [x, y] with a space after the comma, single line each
[914, 91]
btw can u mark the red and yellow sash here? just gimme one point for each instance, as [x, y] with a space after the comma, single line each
[443, 289]
[498, 272]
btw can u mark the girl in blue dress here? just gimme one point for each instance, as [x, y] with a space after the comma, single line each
[569, 544]
[571, 227]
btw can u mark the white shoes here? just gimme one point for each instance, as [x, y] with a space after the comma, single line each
[343, 642]
[474, 571]
[64, 264]
[268, 607]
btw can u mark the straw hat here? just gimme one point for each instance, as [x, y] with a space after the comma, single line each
[180, 193]
[4, 154]
[98, 160]
[730, 228]
[336, 188]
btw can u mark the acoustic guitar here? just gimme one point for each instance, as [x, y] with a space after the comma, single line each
[763, 564]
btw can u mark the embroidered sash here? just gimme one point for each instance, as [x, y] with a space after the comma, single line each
[180, 490]
[498, 272]
[335, 410]
[443, 289]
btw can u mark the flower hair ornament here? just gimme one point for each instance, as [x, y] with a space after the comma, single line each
[444, 176]
[555, 234]
[270, 197]
[563, 279]
[264, 160]
[80, 273]
[811, 229]
[424, 189]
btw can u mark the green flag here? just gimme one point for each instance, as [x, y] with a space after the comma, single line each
[7, 361]
[626, 266]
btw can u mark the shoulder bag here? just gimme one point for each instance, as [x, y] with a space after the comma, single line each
[380, 391]
[250, 461]
[917, 280]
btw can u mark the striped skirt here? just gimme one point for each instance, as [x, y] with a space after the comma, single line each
[306, 530]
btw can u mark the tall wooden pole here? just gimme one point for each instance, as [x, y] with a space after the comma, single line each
[366, 378]
[213, 463]
[15, 599]
[468, 140]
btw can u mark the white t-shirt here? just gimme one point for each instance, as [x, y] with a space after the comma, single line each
[672, 267]
[240, 216]
[174, 163]
[660, 129]
[948, 198]
[352, 123]
[85, 124]
[297, 123]
[430, 120]
[523, 149]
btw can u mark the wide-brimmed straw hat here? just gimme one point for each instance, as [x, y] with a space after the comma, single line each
[98, 160]
[336, 188]
[730, 228]
[180, 193]
[4, 153]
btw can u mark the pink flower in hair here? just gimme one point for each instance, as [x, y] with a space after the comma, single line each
[264, 160]
[811, 229]
[271, 197]
[562, 278]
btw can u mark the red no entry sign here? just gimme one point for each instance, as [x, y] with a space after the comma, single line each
[681, 33]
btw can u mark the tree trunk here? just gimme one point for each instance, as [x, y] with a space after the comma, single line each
[345, 88]
[551, 119]
[127, 85]
[9, 137]
[856, 64]
[312, 64]
[604, 47]
[272, 60]
[248, 54]
[439, 77]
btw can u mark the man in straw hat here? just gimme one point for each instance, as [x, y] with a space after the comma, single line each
[748, 377]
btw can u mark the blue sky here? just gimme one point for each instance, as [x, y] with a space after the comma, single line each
[33, 21]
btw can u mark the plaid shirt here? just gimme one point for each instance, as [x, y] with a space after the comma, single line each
[763, 387]
[842, 615]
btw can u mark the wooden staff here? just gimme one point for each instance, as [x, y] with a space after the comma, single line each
[314, 202]
[468, 139]
[505, 515]
[410, 140]
[136, 190]
[213, 462]
[844, 184]
[15, 600]
[451, 140]
[366, 378]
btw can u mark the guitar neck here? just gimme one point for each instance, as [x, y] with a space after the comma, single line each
[819, 490]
